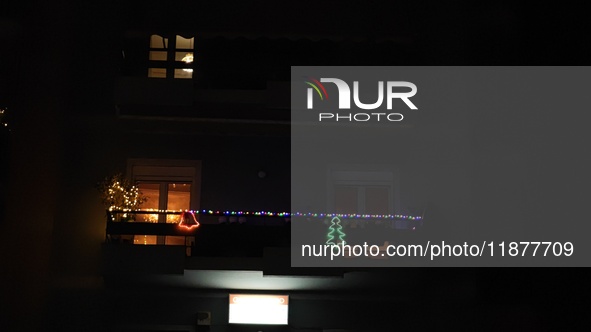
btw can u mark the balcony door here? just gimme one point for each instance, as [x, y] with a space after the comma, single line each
[169, 185]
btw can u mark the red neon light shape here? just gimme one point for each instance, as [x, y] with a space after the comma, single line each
[188, 220]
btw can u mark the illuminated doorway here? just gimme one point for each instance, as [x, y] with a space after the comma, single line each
[172, 185]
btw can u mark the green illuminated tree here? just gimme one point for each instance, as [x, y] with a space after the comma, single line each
[335, 230]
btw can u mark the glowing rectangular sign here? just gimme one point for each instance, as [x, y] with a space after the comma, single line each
[258, 309]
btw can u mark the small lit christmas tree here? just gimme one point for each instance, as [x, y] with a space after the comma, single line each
[118, 193]
[335, 230]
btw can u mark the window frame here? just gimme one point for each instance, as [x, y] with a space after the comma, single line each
[362, 177]
[170, 64]
[164, 172]
[168, 171]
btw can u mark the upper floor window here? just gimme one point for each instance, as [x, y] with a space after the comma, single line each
[171, 57]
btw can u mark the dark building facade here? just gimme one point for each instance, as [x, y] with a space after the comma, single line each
[197, 94]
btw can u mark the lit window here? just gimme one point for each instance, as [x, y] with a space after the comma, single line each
[157, 41]
[183, 73]
[164, 196]
[186, 57]
[168, 185]
[158, 56]
[157, 72]
[162, 53]
[184, 43]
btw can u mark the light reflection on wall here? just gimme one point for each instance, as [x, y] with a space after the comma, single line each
[145, 239]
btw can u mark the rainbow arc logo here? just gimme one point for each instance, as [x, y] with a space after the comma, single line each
[316, 85]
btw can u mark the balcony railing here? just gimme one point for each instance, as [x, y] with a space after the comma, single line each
[227, 240]
[217, 234]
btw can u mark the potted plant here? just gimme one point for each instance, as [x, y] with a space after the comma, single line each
[121, 198]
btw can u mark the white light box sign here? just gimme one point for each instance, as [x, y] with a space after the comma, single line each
[258, 309]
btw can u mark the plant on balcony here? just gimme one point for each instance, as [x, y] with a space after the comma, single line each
[118, 193]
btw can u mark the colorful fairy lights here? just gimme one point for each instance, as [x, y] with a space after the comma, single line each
[279, 214]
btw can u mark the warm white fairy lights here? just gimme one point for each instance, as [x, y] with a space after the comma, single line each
[120, 195]
[3, 123]
[122, 198]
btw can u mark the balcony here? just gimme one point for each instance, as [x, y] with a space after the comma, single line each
[220, 242]
[223, 241]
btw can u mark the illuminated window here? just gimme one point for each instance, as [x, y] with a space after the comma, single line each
[171, 58]
[169, 185]
[164, 196]
[183, 73]
[157, 41]
[184, 43]
[157, 72]
[158, 56]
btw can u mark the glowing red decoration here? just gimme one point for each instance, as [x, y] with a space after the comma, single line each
[188, 220]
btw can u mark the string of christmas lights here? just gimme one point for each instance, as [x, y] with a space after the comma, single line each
[120, 194]
[275, 214]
